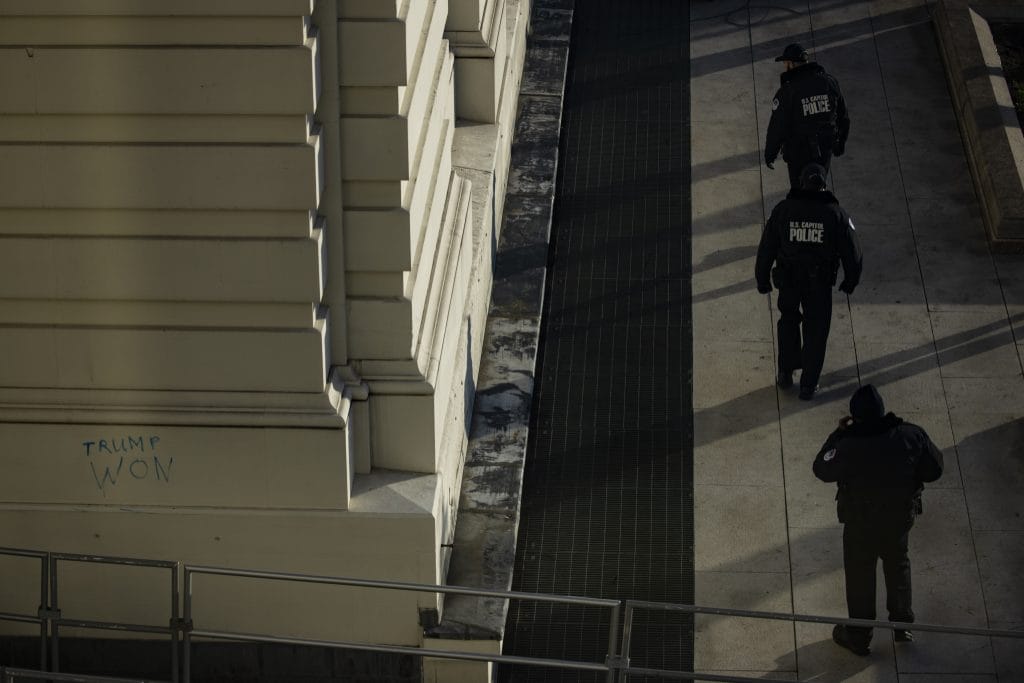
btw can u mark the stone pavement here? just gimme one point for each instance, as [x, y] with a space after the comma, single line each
[937, 324]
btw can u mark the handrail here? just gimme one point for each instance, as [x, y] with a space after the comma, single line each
[609, 666]
[10, 675]
[815, 619]
[23, 618]
[629, 607]
[406, 650]
[21, 552]
[698, 676]
[115, 559]
[398, 585]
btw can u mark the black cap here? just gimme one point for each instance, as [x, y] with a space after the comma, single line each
[812, 177]
[794, 52]
[866, 404]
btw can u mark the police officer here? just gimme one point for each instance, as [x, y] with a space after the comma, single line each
[809, 120]
[881, 464]
[807, 236]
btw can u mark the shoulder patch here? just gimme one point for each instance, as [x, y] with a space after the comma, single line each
[828, 456]
[775, 104]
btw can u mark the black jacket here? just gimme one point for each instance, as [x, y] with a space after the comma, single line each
[808, 235]
[808, 110]
[881, 467]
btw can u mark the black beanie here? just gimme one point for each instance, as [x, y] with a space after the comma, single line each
[866, 404]
[812, 177]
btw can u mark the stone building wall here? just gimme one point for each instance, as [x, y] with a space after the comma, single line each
[245, 261]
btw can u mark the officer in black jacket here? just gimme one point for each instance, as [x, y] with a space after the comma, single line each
[881, 464]
[809, 121]
[807, 236]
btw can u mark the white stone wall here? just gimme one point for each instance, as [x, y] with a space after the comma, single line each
[482, 44]
[244, 273]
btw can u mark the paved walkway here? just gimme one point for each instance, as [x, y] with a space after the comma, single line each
[937, 325]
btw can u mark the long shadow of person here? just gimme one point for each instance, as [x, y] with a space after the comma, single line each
[992, 466]
[822, 661]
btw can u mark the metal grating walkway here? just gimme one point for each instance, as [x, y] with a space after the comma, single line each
[607, 505]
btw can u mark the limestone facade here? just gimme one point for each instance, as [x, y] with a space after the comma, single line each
[246, 263]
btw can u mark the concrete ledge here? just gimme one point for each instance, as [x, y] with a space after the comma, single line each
[488, 518]
[988, 123]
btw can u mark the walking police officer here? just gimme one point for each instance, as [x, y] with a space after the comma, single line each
[809, 121]
[881, 464]
[807, 236]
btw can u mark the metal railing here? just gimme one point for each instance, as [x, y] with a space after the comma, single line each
[42, 615]
[172, 629]
[616, 666]
[608, 667]
[631, 606]
[12, 675]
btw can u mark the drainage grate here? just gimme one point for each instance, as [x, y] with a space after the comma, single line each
[607, 505]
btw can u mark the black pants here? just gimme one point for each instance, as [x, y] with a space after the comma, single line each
[805, 316]
[795, 162]
[863, 545]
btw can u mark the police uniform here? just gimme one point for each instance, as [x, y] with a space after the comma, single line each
[809, 121]
[881, 464]
[807, 236]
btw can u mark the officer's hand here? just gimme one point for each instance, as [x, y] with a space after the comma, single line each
[846, 287]
[845, 422]
[770, 164]
[764, 289]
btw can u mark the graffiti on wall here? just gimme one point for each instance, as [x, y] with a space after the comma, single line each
[118, 460]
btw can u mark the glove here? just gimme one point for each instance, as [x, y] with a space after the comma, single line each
[838, 148]
[764, 289]
[846, 287]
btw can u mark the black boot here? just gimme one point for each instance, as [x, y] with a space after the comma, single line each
[807, 393]
[858, 646]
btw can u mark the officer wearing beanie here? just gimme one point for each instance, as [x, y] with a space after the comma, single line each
[881, 464]
[807, 236]
[809, 120]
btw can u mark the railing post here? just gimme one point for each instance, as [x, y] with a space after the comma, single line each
[627, 640]
[186, 636]
[44, 607]
[175, 624]
[54, 609]
[613, 643]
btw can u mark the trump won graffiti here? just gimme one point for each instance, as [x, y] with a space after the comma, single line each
[127, 458]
